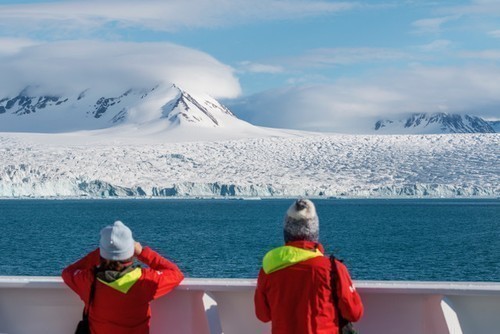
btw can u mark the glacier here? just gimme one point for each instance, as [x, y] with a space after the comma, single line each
[275, 165]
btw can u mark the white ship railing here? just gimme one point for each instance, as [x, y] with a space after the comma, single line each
[44, 305]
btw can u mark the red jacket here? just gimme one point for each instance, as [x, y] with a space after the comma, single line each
[125, 311]
[295, 292]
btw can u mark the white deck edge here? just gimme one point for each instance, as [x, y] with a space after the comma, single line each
[232, 284]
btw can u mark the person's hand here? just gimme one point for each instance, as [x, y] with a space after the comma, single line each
[137, 248]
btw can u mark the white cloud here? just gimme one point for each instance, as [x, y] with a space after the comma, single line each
[437, 45]
[316, 107]
[482, 55]
[348, 56]
[247, 66]
[62, 67]
[354, 105]
[158, 14]
[489, 7]
[323, 58]
[494, 33]
[432, 25]
[13, 45]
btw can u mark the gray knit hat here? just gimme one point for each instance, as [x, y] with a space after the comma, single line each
[116, 242]
[301, 222]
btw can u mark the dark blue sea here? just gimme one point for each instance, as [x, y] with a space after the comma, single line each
[438, 240]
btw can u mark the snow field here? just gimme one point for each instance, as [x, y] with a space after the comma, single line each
[462, 165]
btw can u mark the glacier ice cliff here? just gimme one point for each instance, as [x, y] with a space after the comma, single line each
[448, 165]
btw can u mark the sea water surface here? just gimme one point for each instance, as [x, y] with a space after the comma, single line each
[432, 239]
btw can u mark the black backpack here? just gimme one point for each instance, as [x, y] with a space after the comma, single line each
[345, 326]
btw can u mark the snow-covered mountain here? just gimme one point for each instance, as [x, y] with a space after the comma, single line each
[160, 108]
[495, 125]
[164, 142]
[436, 123]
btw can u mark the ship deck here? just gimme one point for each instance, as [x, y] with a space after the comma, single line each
[202, 306]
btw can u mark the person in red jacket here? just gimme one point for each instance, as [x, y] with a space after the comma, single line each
[294, 289]
[123, 292]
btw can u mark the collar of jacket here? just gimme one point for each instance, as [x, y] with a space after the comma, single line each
[290, 254]
[124, 283]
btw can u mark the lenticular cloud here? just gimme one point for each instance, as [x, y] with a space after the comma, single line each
[67, 67]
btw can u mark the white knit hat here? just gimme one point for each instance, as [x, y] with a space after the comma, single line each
[116, 242]
[301, 222]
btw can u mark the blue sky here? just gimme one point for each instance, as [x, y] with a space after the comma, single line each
[314, 65]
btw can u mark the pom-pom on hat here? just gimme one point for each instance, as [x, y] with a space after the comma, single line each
[116, 242]
[301, 222]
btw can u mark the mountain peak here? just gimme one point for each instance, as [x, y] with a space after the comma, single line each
[434, 123]
[185, 108]
[91, 110]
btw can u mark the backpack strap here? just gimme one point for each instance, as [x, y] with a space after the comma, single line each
[86, 310]
[334, 277]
